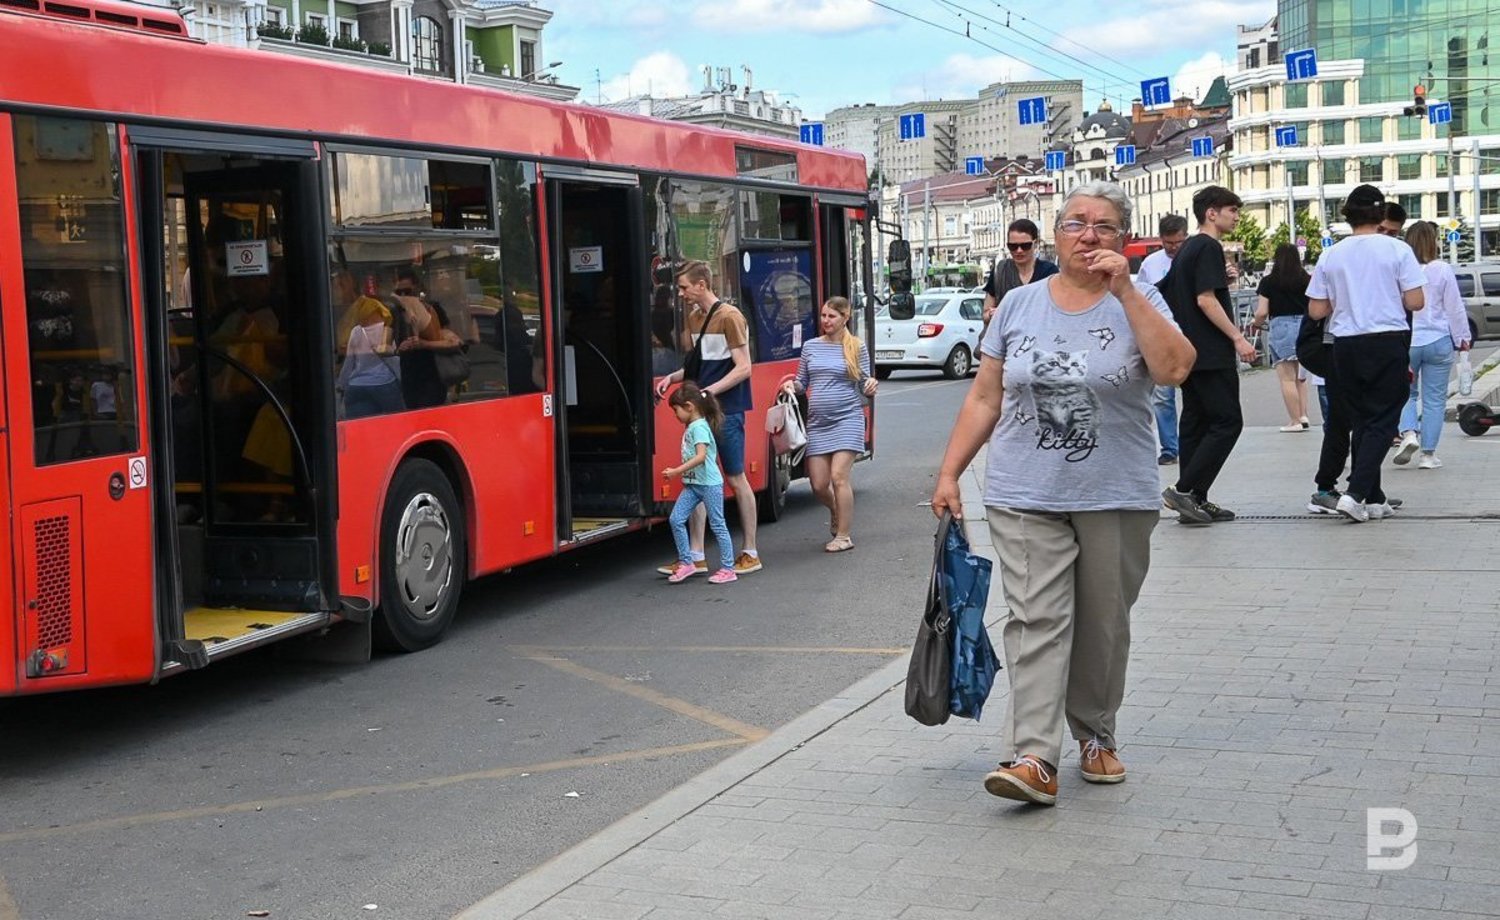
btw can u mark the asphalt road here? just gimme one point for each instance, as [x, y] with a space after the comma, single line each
[421, 783]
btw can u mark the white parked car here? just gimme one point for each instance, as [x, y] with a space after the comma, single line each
[943, 335]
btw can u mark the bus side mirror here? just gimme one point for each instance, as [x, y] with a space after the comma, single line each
[903, 305]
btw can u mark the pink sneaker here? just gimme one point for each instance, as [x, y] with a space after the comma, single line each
[723, 577]
[683, 572]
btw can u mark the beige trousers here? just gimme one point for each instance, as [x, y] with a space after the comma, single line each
[1070, 580]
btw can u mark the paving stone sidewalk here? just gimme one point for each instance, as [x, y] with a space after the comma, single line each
[1288, 673]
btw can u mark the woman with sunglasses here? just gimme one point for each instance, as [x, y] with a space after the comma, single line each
[1023, 267]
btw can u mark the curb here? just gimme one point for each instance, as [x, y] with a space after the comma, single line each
[572, 866]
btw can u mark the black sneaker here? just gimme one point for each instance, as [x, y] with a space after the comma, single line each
[1324, 502]
[1217, 514]
[1166, 460]
[1187, 507]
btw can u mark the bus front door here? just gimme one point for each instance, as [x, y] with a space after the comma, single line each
[241, 323]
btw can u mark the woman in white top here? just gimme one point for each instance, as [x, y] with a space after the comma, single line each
[1436, 333]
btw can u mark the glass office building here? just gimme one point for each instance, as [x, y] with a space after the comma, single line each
[1443, 44]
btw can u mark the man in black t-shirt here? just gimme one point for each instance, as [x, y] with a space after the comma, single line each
[1197, 289]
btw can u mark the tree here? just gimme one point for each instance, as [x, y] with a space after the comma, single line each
[1309, 229]
[1249, 233]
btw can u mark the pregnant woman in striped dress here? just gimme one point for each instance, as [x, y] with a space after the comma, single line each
[835, 375]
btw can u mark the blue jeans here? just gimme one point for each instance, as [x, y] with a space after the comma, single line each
[712, 498]
[1164, 402]
[1323, 404]
[1431, 366]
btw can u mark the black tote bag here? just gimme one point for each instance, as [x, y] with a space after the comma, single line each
[929, 677]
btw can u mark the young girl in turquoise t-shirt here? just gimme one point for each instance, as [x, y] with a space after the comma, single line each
[702, 482]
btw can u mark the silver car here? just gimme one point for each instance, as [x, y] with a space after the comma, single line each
[943, 335]
[1479, 286]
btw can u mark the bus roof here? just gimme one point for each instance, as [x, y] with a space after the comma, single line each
[51, 63]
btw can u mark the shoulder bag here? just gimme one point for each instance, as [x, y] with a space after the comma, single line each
[692, 365]
[929, 676]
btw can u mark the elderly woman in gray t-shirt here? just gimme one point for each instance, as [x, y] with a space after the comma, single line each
[1063, 399]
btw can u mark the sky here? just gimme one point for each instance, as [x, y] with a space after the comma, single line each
[822, 54]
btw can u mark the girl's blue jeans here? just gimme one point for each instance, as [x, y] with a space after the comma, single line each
[1431, 366]
[712, 499]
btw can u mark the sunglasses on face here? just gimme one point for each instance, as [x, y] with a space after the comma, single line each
[1019, 247]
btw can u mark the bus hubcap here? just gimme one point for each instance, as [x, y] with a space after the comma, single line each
[424, 555]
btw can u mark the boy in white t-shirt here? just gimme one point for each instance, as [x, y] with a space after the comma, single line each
[1367, 286]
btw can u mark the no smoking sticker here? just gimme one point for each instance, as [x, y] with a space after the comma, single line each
[137, 473]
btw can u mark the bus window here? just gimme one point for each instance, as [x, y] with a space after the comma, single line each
[433, 316]
[703, 222]
[77, 312]
[773, 216]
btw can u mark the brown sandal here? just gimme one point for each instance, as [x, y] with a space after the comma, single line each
[839, 544]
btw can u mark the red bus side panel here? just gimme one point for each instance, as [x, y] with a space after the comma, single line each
[504, 452]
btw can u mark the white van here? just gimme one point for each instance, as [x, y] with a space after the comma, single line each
[1479, 286]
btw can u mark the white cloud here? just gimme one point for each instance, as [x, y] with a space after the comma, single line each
[1165, 25]
[960, 76]
[1194, 78]
[822, 16]
[660, 74]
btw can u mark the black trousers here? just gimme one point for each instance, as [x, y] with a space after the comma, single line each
[1335, 452]
[1211, 424]
[1374, 374]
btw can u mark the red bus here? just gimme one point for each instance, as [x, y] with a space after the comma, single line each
[288, 344]
[1138, 248]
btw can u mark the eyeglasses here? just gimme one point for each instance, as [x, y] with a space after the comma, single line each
[1105, 232]
[1020, 247]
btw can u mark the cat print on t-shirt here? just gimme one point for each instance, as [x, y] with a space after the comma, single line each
[1067, 411]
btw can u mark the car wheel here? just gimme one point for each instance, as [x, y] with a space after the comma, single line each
[883, 373]
[422, 553]
[957, 365]
[770, 502]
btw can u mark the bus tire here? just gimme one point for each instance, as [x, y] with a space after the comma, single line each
[770, 502]
[422, 558]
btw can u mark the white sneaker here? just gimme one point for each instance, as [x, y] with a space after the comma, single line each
[1353, 510]
[1379, 511]
[1409, 445]
[1429, 462]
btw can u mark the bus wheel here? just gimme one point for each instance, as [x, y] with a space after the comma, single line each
[422, 557]
[770, 504]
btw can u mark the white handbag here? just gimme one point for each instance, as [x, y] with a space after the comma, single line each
[784, 422]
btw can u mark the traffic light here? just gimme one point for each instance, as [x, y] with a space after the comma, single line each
[1418, 108]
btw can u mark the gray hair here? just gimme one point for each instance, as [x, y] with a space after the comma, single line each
[1109, 191]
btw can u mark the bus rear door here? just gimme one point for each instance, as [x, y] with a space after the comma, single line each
[79, 460]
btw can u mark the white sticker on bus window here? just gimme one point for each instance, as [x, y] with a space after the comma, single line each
[584, 259]
[797, 336]
[137, 476]
[247, 257]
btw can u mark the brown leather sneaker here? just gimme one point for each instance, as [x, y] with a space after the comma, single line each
[1100, 764]
[1027, 779]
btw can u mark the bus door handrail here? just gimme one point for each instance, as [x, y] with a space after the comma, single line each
[276, 404]
[635, 427]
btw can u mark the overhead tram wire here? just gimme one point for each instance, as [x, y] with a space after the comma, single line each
[1109, 77]
[1041, 28]
[964, 35]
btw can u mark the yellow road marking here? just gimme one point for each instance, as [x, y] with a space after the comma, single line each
[336, 795]
[757, 649]
[8, 908]
[670, 703]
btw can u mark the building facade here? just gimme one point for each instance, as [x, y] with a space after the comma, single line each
[857, 128]
[992, 127]
[722, 103]
[495, 43]
[1344, 140]
[916, 158]
[1442, 44]
[1166, 175]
